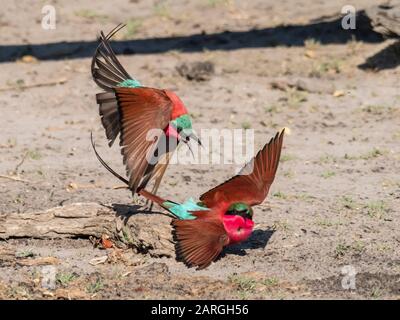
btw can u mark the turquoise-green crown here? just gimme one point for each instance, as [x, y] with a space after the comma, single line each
[130, 83]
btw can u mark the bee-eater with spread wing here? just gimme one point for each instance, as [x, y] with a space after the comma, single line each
[224, 214]
[131, 111]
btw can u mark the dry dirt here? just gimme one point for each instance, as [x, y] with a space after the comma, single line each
[335, 201]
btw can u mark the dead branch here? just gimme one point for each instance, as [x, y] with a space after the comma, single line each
[125, 225]
[385, 19]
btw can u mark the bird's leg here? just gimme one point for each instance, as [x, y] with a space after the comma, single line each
[159, 174]
[155, 187]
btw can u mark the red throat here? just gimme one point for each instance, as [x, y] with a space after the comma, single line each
[237, 228]
[170, 131]
[178, 108]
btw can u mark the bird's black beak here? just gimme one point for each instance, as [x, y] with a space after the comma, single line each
[195, 138]
[187, 137]
[187, 142]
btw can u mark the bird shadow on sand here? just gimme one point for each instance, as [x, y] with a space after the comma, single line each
[387, 58]
[125, 211]
[258, 240]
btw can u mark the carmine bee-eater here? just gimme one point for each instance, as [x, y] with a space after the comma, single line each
[131, 111]
[224, 215]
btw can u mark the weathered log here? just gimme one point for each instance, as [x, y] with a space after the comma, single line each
[125, 225]
[385, 18]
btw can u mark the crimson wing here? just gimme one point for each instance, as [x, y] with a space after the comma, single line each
[141, 110]
[252, 184]
[199, 242]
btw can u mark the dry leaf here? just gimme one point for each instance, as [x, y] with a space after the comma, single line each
[106, 242]
[98, 260]
[29, 59]
[47, 293]
[120, 187]
[72, 187]
[310, 54]
[338, 93]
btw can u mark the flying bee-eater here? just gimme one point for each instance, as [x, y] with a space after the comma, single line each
[132, 111]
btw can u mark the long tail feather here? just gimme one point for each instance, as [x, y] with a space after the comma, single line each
[148, 195]
[152, 197]
[105, 165]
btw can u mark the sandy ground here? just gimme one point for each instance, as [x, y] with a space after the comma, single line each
[334, 203]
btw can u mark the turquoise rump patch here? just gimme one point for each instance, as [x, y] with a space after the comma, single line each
[182, 211]
[129, 83]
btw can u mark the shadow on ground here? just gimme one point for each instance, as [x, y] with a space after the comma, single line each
[126, 211]
[321, 30]
[258, 239]
[387, 58]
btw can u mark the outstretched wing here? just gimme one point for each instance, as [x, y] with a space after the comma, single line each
[107, 71]
[140, 110]
[252, 184]
[199, 242]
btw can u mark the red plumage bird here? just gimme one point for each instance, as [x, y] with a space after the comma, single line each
[224, 215]
[132, 111]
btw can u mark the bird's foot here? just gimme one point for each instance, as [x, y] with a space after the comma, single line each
[148, 206]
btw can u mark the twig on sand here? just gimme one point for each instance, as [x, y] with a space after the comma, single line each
[15, 178]
[35, 85]
[120, 187]
[20, 163]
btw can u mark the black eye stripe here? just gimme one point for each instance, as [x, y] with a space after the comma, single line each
[242, 210]
[239, 213]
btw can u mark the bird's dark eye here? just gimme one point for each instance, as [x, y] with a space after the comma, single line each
[187, 138]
